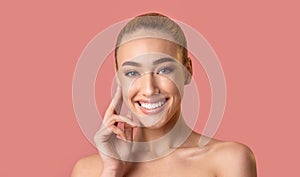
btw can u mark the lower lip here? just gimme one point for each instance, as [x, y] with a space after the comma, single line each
[151, 111]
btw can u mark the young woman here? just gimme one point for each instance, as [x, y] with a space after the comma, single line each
[152, 68]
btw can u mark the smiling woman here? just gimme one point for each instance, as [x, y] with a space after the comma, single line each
[152, 68]
[153, 81]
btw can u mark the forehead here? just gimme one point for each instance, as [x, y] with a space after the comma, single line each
[139, 47]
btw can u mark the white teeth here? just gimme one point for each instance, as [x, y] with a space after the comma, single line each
[153, 105]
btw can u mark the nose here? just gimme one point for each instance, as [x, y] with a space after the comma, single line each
[148, 85]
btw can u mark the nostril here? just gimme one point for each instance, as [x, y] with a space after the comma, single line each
[148, 85]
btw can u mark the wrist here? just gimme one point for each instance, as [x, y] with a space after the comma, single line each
[111, 173]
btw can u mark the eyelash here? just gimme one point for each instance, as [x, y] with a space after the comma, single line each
[167, 70]
[132, 73]
[164, 70]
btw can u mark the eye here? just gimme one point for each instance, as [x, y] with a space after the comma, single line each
[165, 70]
[132, 74]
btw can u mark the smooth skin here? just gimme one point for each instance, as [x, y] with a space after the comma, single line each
[216, 159]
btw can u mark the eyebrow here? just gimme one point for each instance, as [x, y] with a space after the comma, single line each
[156, 62]
[163, 60]
[131, 63]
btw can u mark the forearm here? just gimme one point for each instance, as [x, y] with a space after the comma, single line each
[112, 171]
[108, 173]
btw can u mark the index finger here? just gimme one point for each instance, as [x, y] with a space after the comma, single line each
[116, 102]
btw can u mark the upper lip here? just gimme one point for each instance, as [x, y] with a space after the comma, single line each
[152, 100]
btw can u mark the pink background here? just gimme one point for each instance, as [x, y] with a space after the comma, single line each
[256, 41]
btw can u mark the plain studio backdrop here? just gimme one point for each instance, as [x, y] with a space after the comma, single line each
[256, 41]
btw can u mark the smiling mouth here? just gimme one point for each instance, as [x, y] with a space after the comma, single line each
[152, 106]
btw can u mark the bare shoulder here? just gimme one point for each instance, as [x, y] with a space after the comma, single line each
[233, 159]
[90, 166]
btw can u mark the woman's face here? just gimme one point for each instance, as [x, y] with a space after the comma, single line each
[152, 78]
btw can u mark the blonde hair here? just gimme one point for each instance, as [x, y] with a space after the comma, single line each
[158, 22]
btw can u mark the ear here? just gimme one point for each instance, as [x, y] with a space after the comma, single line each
[188, 77]
[189, 71]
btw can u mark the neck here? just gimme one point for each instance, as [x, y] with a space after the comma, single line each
[155, 143]
[146, 134]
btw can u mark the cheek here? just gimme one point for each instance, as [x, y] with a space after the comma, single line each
[129, 89]
[170, 86]
[128, 95]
